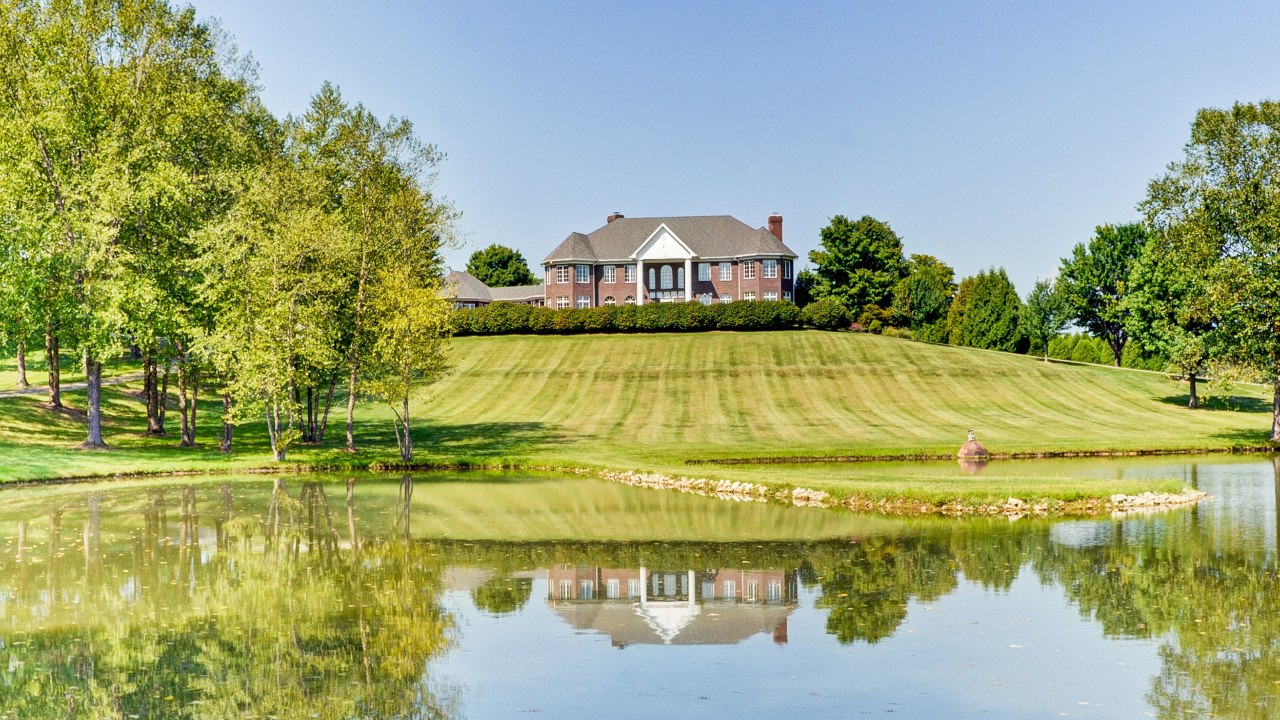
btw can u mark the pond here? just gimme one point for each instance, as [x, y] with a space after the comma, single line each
[489, 595]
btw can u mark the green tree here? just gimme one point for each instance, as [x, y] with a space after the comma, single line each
[1169, 313]
[920, 298]
[806, 280]
[985, 313]
[1096, 278]
[1046, 313]
[500, 266]
[1220, 209]
[859, 263]
[944, 272]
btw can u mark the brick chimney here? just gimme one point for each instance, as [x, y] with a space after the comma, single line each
[775, 226]
[613, 217]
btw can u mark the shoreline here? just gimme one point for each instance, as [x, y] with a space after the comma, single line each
[932, 457]
[735, 491]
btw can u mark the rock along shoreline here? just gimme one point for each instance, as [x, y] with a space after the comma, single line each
[1013, 507]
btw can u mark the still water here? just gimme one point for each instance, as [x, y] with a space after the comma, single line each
[494, 595]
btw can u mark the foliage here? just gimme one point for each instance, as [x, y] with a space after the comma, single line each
[1096, 279]
[859, 263]
[500, 266]
[921, 297]
[985, 313]
[825, 314]
[1220, 211]
[805, 281]
[875, 318]
[944, 272]
[502, 596]
[1045, 314]
[503, 318]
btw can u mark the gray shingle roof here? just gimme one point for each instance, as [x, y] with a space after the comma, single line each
[708, 236]
[517, 293]
[464, 286]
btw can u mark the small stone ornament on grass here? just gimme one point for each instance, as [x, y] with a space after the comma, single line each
[973, 456]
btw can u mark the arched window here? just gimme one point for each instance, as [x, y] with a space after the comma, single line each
[629, 301]
[679, 277]
[653, 285]
[609, 300]
[705, 298]
[666, 277]
[726, 298]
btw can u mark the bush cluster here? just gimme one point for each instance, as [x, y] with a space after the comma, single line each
[825, 314]
[504, 318]
[1086, 348]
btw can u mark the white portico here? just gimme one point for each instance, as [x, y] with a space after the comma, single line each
[663, 252]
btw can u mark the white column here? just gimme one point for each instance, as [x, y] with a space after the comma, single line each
[639, 283]
[692, 598]
[644, 584]
[688, 282]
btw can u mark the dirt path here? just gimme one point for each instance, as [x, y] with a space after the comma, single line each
[44, 390]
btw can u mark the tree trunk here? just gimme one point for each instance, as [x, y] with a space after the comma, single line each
[163, 402]
[1194, 402]
[93, 374]
[406, 450]
[184, 429]
[55, 371]
[278, 450]
[151, 389]
[22, 363]
[1117, 346]
[1275, 415]
[328, 403]
[224, 437]
[355, 354]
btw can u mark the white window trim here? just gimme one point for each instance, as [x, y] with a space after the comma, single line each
[749, 296]
[726, 271]
[562, 302]
[767, 294]
[562, 274]
[704, 272]
[769, 269]
[583, 274]
[629, 274]
[610, 274]
[726, 297]
[666, 278]
[748, 269]
[609, 301]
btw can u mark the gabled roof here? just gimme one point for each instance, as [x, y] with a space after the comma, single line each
[464, 286]
[517, 293]
[709, 236]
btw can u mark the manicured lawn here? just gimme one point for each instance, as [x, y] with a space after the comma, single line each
[651, 402]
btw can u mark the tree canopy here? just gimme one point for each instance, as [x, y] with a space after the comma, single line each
[501, 266]
[859, 263]
[1096, 278]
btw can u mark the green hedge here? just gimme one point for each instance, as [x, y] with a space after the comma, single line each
[504, 317]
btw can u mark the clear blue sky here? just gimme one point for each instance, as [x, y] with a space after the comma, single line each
[985, 133]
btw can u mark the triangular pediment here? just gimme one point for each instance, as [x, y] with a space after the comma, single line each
[663, 244]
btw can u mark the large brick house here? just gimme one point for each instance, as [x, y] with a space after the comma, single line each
[468, 292]
[712, 259]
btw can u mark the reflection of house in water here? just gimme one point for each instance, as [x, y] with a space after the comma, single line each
[711, 607]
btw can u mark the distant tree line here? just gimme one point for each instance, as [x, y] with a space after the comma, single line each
[149, 202]
[1193, 289]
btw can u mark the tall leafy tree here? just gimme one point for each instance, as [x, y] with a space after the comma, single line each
[985, 313]
[1096, 278]
[920, 298]
[859, 263]
[1221, 208]
[1047, 312]
[1169, 309]
[500, 266]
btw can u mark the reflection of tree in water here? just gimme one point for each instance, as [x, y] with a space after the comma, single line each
[500, 596]
[278, 621]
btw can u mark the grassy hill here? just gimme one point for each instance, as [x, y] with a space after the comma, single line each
[651, 402]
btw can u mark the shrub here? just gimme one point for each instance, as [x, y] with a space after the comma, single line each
[825, 314]
[897, 332]
[503, 318]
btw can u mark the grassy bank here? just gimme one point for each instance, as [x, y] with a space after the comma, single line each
[652, 402]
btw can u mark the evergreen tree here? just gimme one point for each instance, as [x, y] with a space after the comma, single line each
[988, 315]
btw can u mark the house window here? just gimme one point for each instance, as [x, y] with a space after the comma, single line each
[748, 296]
[584, 273]
[786, 269]
[633, 588]
[748, 269]
[653, 283]
[704, 272]
[613, 588]
[610, 274]
[629, 301]
[753, 591]
[726, 271]
[566, 589]
[629, 273]
[586, 590]
[770, 268]
[562, 274]
[726, 298]
[730, 590]
[609, 301]
[679, 277]
[584, 302]
[666, 277]
[705, 298]
[770, 295]
[773, 591]
[562, 302]
[786, 296]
